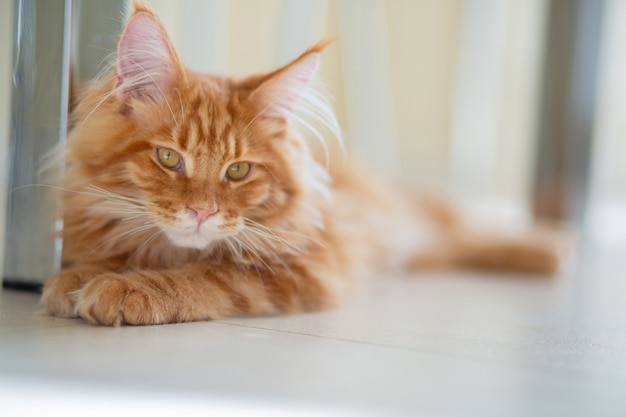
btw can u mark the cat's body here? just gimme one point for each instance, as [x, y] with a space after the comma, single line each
[192, 197]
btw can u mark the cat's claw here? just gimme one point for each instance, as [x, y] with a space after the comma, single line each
[113, 300]
[59, 294]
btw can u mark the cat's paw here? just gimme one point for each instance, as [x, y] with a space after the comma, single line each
[59, 293]
[114, 299]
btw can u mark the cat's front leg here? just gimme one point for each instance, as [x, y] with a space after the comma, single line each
[59, 291]
[199, 292]
[132, 298]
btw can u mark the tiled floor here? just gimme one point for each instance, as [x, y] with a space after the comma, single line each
[435, 344]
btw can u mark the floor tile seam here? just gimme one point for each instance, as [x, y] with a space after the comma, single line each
[472, 359]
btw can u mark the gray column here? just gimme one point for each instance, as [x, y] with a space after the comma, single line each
[567, 110]
[48, 35]
[40, 94]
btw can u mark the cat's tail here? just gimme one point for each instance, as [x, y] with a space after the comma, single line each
[536, 250]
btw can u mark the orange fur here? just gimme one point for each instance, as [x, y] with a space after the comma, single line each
[291, 236]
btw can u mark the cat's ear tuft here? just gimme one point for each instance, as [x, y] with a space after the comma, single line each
[147, 64]
[278, 95]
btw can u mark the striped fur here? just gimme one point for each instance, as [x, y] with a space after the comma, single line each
[291, 236]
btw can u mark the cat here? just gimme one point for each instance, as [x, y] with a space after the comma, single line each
[189, 196]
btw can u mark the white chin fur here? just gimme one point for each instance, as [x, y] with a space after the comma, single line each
[185, 233]
[194, 241]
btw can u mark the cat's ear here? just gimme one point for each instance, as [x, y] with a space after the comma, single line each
[279, 92]
[147, 64]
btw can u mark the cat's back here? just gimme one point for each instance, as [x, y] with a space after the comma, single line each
[386, 224]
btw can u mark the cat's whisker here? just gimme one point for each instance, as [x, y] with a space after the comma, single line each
[260, 229]
[236, 252]
[257, 116]
[259, 258]
[274, 231]
[99, 104]
[121, 214]
[105, 209]
[252, 243]
[152, 237]
[125, 235]
[128, 233]
[271, 236]
[251, 248]
[53, 187]
[240, 266]
[233, 250]
[94, 191]
[254, 119]
[271, 173]
[108, 198]
[118, 196]
[135, 217]
[109, 209]
[312, 107]
[318, 136]
[112, 207]
[251, 251]
[316, 105]
[106, 69]
[302, 235]
[276, 258]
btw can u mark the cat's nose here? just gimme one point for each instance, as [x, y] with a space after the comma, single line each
[202, 213]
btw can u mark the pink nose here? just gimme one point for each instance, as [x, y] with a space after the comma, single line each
[201, 214]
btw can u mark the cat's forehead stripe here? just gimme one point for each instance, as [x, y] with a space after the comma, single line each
[190, 136]
[201, 134]
[204, 113]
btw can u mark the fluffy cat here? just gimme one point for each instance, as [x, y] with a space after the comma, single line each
[191, 197]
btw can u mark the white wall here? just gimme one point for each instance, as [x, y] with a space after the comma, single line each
[441, 92]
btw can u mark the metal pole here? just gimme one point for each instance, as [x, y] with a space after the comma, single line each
[567, 110]
[49, 35]
[40, 87]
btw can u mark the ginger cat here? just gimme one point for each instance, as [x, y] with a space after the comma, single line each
[191, 196]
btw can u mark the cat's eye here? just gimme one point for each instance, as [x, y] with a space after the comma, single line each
[238, 171]
[169, 158]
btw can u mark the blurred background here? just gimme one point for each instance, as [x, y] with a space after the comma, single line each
[514, 108]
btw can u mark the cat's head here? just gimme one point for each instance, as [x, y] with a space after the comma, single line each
[200, 157]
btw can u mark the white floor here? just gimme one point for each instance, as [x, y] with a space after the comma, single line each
[454, 344]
